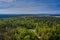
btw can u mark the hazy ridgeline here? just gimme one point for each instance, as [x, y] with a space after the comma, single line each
[30, 28]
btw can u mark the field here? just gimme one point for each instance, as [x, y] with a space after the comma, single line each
[30, 28]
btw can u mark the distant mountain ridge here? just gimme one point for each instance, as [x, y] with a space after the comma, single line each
[10, 15]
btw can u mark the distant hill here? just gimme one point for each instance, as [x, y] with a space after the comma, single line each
[10, 15]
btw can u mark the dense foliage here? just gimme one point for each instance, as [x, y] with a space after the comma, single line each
[30, 28]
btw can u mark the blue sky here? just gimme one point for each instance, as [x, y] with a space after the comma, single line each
[29, 6]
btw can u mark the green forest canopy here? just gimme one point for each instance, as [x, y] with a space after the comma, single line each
[30, 28]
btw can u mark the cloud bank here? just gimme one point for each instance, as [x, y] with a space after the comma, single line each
[30, 6]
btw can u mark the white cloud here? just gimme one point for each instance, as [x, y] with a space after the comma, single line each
[26, 11]
[7, 0]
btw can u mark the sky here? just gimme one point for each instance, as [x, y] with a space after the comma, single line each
[29, 6]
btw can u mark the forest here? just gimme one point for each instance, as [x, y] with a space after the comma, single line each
[30, 28]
